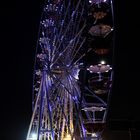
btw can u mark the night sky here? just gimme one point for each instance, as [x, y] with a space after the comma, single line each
[19, 24]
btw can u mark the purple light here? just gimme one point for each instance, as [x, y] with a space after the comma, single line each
[97, 1]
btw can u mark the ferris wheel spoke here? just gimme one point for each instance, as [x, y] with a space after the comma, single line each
[75, 88]
[78, 50]
[61, 39]
[65, 109]
[57, 114]
[76, 27]
[76, 43]
[48, 105]
[76, 35]
[63, 105]
[82, 55]
[60, 55]
[101, 100]
[34, 112]
[63, 85]
[63, 21]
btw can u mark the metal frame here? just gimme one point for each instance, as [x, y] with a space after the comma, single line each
[60, 98]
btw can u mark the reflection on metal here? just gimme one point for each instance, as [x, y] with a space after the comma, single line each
[100, 30]
[94, 126]
[97, 1]
[99, 15]
[101, 51]
[66, 102]
[94, 108]
[99, 68]
[67, 137]
[100, 85]
[96, 123]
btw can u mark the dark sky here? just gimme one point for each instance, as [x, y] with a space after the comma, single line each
[19, 24]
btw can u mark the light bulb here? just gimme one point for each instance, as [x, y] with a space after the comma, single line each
[102, 62]
[34, 136]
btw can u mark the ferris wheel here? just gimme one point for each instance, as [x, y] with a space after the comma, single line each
[72, 81]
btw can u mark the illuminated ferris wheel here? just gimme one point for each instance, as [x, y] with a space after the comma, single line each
[73, 72]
